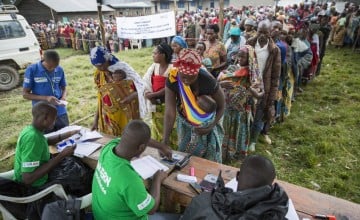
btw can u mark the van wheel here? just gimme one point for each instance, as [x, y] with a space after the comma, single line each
[9, 77]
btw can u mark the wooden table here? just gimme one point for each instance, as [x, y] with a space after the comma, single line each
[305, 200]
[179, 193]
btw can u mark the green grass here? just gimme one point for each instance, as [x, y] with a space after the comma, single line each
[319, 142]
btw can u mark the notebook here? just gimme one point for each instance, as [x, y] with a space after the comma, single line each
[84, 149]
[147, 166]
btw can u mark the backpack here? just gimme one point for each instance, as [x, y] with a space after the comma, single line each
[62, 210]
[265, 203]
[73, 175]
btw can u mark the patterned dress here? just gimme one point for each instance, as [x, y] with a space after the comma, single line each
[215, 52]
[114, 116]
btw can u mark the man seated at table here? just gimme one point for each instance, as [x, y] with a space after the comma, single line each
[118, 192]
[257, 197]
[33, 164]
[32, 158]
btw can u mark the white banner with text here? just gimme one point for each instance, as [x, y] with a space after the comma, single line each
[146, 27]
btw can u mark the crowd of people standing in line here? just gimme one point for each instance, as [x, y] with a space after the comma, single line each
[214, 98]
[81, 34]
[250, 74]
[84, 33]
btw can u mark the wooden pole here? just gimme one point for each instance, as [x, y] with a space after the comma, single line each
[175, 7]
[8, 155]
[221, 18]
[102, 29]
[52, 15]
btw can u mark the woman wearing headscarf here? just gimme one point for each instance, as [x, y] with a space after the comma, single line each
[177, 44]
[154, 80]
[115, 109]
[242, 84]
[189, 89]
[215, 50]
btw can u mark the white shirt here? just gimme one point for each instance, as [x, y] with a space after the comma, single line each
[262, 54]
[299, 45]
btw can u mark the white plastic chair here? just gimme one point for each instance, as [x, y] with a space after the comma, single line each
[136, 43]
[56, 188]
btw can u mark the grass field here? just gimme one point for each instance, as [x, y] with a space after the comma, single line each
[316, 147]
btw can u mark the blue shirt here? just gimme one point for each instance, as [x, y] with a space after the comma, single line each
[282, 48]
[43, 83]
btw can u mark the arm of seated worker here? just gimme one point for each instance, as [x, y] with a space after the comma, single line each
[56, 139]
[158, 178]
[139, 200]
[29, 178]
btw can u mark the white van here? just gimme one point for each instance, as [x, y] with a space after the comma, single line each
[18, 46]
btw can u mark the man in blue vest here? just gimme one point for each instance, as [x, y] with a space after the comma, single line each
[45, 81]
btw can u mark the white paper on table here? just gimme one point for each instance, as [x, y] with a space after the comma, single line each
[86, 148]
[147, 166]
[232, 184]
[63, 131]
[85, 135]
[291, 214]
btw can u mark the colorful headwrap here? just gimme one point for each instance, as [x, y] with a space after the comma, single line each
[179, 40]
[99, 55]
[189, 62]
[235, 31]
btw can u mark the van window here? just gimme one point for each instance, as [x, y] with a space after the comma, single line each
[11, 29]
